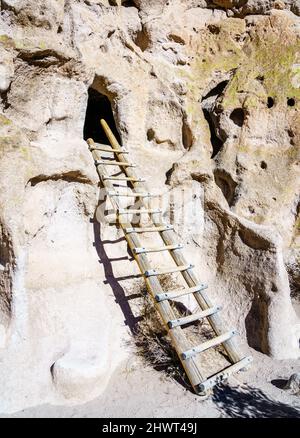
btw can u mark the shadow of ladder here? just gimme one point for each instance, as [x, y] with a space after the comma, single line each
[189, 357]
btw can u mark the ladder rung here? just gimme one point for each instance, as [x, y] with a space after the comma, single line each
[179, 293]
[114, 163]
[138, 211]
[143, 250]
[209, 344]
[195, 317]
[123, 178]
[154, 272]
[224, 374]
[148, 229]
[131, 195]
[104, 148]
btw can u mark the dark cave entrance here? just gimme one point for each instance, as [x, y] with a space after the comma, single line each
[98, 107]
[216, 142]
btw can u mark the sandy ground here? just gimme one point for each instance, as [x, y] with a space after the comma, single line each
[137, 391]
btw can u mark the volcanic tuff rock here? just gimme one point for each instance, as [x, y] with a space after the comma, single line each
[206, 96]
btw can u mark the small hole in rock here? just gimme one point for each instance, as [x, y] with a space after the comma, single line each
[214, 29]
[150, 134]
[291, 102]
[270, 102]
[260, 78]
[291, 136]
[274, 288]
[263, 165]
[238, 117]
[176, 38]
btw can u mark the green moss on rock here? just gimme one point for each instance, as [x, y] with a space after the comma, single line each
[7, 42]
[269, 70]
[4, 121]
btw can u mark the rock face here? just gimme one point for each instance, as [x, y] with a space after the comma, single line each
[206, 97]
[293, 384]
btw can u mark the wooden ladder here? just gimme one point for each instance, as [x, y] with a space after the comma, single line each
[189, 356]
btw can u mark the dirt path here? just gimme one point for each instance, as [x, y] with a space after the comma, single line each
[137, 391]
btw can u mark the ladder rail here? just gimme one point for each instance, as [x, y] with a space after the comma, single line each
[177, 255]
[122, 157]
[203, 300]
[192, 368]
[191, 365]
[188, 356]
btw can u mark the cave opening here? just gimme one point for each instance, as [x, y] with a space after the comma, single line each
[238, 117]
[98, 107]
[270, 102]
[150, 134]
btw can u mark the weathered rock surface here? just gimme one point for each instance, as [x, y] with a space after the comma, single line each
[206, 97]
[293, 384]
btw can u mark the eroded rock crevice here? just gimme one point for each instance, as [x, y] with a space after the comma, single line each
[72, 176]
[209, 102]
[7, 266]
[227, 185]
